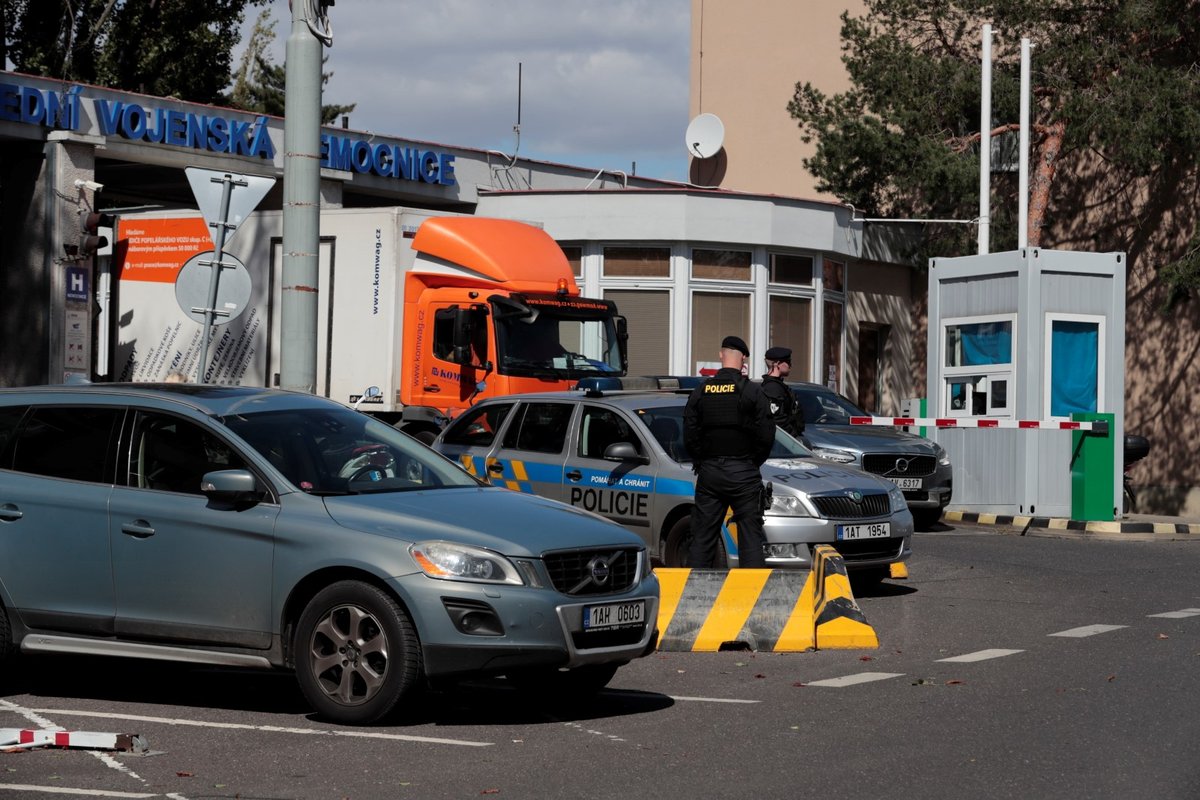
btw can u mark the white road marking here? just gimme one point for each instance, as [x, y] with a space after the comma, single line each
[851, 680]
[1088, 630]
[980, 655]
[1180, 614]
[711, 699]
[264, 728]
[25, 787]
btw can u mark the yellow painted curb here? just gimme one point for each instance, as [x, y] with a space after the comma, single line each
[838, 621]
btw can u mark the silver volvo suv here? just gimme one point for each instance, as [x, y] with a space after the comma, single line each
[262, 528]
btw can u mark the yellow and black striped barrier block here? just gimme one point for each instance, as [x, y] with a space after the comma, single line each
[764, 609]
[838, 621]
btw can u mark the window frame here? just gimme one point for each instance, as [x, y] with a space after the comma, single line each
[977, 378]
[1047, 357]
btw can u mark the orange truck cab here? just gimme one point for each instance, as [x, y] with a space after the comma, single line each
[491, 307]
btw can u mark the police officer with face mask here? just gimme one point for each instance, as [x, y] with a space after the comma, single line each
[729, 432]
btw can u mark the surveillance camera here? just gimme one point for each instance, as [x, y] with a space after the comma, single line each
[93, 185]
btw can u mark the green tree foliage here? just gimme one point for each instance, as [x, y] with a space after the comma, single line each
[169, 48]
[1115, 84]
[259, 85]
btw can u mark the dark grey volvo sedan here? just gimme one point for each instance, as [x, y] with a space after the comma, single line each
[263, 528]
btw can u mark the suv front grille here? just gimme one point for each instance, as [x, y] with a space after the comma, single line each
[899, 466]
[586, 572]
[843, 507]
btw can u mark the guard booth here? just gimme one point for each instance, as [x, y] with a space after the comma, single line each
[1029, 334]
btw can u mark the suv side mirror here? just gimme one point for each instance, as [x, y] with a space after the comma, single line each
[624, 451]
[231, 486]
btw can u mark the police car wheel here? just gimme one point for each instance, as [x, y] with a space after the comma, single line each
[679, 544]
[357, 653]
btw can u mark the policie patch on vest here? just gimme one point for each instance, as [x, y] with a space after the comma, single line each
[719, 388]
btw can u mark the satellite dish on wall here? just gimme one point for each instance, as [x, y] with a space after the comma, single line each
[705, 136]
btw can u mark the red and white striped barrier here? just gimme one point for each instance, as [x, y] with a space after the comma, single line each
[16, 738]
[1099, 426]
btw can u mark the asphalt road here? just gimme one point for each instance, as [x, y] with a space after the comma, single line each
[1009, 667]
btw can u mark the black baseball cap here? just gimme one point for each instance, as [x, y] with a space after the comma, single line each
[735, 343]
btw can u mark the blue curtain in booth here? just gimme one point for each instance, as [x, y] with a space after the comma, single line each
[986, 343]
[1074, 367]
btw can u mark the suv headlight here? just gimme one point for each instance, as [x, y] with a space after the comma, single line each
[840, 456]
[788, 505]
[942, 456]
[896, 497]
[460, 562]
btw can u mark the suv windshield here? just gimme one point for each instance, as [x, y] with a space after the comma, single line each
[665, 424]
[329, 452]
[542, 336]
[823, 407]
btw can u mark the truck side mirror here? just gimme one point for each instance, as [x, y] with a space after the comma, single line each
[464, 330]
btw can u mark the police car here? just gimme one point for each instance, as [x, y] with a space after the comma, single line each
[619, 452]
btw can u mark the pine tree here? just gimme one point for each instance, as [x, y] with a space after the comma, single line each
[1116, 104]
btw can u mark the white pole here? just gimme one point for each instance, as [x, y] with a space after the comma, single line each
[985, 143]
[1023, 169]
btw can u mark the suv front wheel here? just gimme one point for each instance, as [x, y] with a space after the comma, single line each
[357, 653]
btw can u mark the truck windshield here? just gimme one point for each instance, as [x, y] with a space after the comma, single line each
[545, 337]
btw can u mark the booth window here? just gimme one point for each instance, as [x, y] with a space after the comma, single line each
[1074, 367]
[977, 373]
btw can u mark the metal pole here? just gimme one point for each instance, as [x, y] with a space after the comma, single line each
[1023, 162]
[985, 143]
[301, 203]
[210, 308]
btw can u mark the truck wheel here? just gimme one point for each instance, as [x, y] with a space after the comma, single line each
[679, 543]
[357, 653]
[581, 681]
[423, 435]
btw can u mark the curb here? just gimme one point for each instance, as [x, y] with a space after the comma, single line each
[1125, 529]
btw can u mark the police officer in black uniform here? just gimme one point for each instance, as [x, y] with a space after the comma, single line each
[728, 430]
[779, 397]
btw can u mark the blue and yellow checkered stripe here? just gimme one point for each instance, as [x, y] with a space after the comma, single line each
[516, 474]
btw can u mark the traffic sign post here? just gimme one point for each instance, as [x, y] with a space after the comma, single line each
[224, 210]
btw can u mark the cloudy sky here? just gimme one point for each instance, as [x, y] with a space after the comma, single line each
[603, 83]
